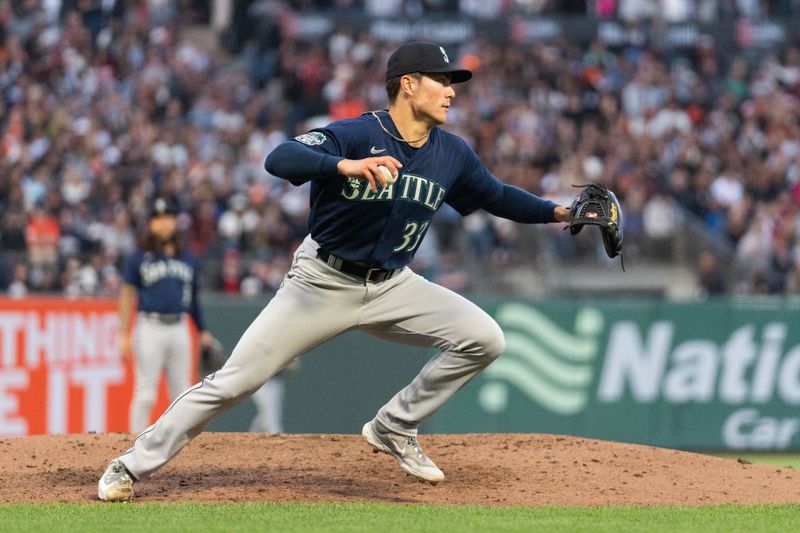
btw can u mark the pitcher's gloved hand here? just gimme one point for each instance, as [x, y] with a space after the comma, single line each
[597, 205]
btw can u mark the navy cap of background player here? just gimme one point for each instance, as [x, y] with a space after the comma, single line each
[419, 56]
[163, 206]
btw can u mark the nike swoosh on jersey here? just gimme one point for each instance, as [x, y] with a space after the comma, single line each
[374, 150]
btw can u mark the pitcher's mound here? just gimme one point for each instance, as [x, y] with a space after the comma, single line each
[504, 469]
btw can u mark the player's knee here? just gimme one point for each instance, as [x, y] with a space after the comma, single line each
[492, 340]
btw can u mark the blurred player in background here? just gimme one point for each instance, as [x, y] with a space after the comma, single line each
[161, 286]
[269, 402]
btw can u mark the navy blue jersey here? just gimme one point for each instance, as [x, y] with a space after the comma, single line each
[384, 229]
[167, 285]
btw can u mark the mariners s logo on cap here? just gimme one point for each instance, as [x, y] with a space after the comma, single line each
[163, 206]
[424, 57]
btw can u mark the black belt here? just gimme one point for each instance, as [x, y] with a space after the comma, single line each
[164, 318]
[375, 275]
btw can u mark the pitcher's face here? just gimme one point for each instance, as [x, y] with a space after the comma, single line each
[433, 97]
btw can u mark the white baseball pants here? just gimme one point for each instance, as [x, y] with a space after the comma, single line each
[314, 304]
[268, 400]
[157, 347]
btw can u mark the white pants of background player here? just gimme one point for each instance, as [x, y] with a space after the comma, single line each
[315, 304]
[158, 347]
[269, 406]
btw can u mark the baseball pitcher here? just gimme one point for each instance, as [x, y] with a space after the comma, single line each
[376, 182]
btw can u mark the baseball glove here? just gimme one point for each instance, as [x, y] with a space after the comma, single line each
[212, 357]
[596, 205]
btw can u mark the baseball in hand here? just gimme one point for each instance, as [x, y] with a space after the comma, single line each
[390, 179]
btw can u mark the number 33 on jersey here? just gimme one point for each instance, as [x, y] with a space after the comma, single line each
[384, 228]
[408, 187]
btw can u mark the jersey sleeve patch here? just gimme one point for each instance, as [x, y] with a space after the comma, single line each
[312, 138]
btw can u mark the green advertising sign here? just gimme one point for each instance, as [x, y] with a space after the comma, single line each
[715, 375]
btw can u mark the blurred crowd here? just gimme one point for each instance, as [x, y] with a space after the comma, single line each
[106, 105]
[626, 10]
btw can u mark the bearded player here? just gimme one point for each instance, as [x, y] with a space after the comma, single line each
[160, 289]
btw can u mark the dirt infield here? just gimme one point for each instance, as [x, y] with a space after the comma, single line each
[506, 469]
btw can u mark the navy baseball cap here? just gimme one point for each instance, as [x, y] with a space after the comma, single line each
[425, 57]
[163, 206]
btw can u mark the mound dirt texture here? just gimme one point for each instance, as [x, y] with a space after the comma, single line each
[503, 469]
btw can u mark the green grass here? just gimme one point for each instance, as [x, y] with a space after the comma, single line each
[774, 459]
[294, 517]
